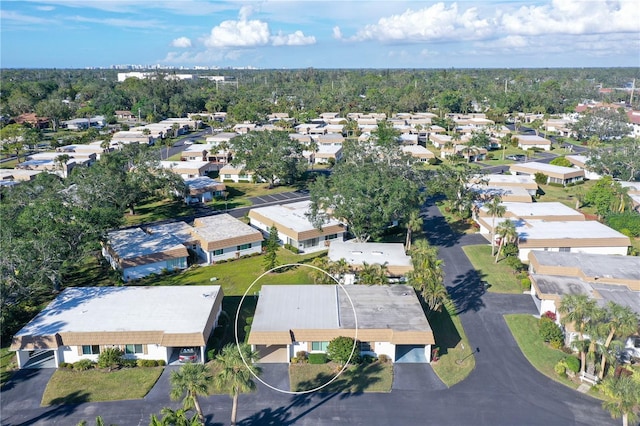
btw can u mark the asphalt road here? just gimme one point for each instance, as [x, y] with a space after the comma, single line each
[504, 389]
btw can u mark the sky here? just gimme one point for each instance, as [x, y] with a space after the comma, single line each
[320, 34]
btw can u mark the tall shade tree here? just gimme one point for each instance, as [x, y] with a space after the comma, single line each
[608, 196]
[11, 140]
[452, 181]
[619, 321]
[578, 310]
[624, 392]
[414, 224]
[621, 160]
[427, 276]
[234, 372]
[495, 208]
[373, 187]
[190, 381]
[272, 155]
[508, 233]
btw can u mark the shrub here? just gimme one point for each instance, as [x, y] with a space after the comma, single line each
[129, 363]
[292, 248]
[317, 358]
[211, 354]
[148, 363]
[83, 365]
[66, 365]
[515, 264]
[161, 362]
[340, 349]
[110, 358]
[550, 315]
[625, 223]
[368, 359]
[384, 358]
[540, 178]
[302, 356]
[510, 250]
[573, 363]
[549, 330]
[560, 368]
[525, 283]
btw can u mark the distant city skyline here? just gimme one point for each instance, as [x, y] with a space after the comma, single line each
[319, 34]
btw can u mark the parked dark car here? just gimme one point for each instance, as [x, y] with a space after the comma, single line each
[188, 355]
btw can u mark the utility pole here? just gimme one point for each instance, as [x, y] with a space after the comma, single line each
[633, 89]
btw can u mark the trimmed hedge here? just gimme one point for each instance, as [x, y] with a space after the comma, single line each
[317, 358]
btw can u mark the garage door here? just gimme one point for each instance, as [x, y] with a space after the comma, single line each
[273, 353]
[410, 353]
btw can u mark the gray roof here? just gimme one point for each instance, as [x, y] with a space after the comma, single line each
[130, 243]
[322, 307]
[562, 286]
[593, 265]
[180, 230]
[356, 253]
[618, 294]
[172, 309]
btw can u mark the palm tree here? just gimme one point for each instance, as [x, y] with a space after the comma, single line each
[619, 321]
[427, 275]
[507, 232]
[320, 276]
[235, 371]
[177, 417]
[578, 309]
[338, 268]
[372, 274]
[191, 379]
[625, 398]
[414, 224]
[495, 209]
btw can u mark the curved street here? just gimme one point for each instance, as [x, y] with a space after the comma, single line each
[504, 389]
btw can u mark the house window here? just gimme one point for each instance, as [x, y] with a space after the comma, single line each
[244, 246]
[365, 347]
[310, 243]
[319, 346]
[227, 176]
[331, 237]
[218, 252]
[90, 349]
[132, 349]
[565, 249]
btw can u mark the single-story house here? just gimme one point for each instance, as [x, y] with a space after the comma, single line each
[552, 211]
[419, 152]
[235, 174]
[138, 253]
[325, 153]
[554, 174]
[385, 320]
[218, 138]
[392, 255]
[516, 194]
[580, 162]
[144, 322]
[438, 140]
[500, 180]
[202, 189]
[470, 153]
[532, 141]
[634, 193]
[222, 236]
[19, 174]
[132, 136]
[294, 227]
[189, 169]
[95, 149]
[124, 115]
[587, 236]
[601, 277]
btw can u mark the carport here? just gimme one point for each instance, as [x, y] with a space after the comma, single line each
[273, 353]
[411, 354]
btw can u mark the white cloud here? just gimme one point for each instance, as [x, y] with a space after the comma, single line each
[295, 39]
[574, 17]
[337, 33]
[19, 18]
[183, 42]
[241, 33]
[45, 8]
[434, 23]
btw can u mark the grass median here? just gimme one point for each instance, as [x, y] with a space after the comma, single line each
[500, 276]
[374, 377]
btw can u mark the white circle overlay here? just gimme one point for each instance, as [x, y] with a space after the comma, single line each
[355, 338]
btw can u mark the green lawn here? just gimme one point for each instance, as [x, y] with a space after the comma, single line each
[457, 224]
[74, 387]
[7, 363]
[566, 195]
[500, 276]
[525, 330]
[374, 377]
[455, 363]
[237, 275]
[155, 210]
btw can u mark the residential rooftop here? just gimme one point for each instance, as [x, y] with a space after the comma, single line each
[134, 242]
[524, 210]
[541, 229]
[593, 265]
[292, 216]
[356, 253]
[222, 227]
[544, 167]
[171, 309]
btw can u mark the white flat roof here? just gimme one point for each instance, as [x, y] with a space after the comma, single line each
[544, 167]
[356, 253]
[194, 164]
[201, 182]
[172, 309]
[534, 229]
[496, 190]
[180, 230]
[292, 216]
[286, 307]
[134, 242]
[523, 210]
[532, 138]
[224, 226]
[199, 147]
[496, 179]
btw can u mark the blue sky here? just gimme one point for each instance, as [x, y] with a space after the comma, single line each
[320, 34]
